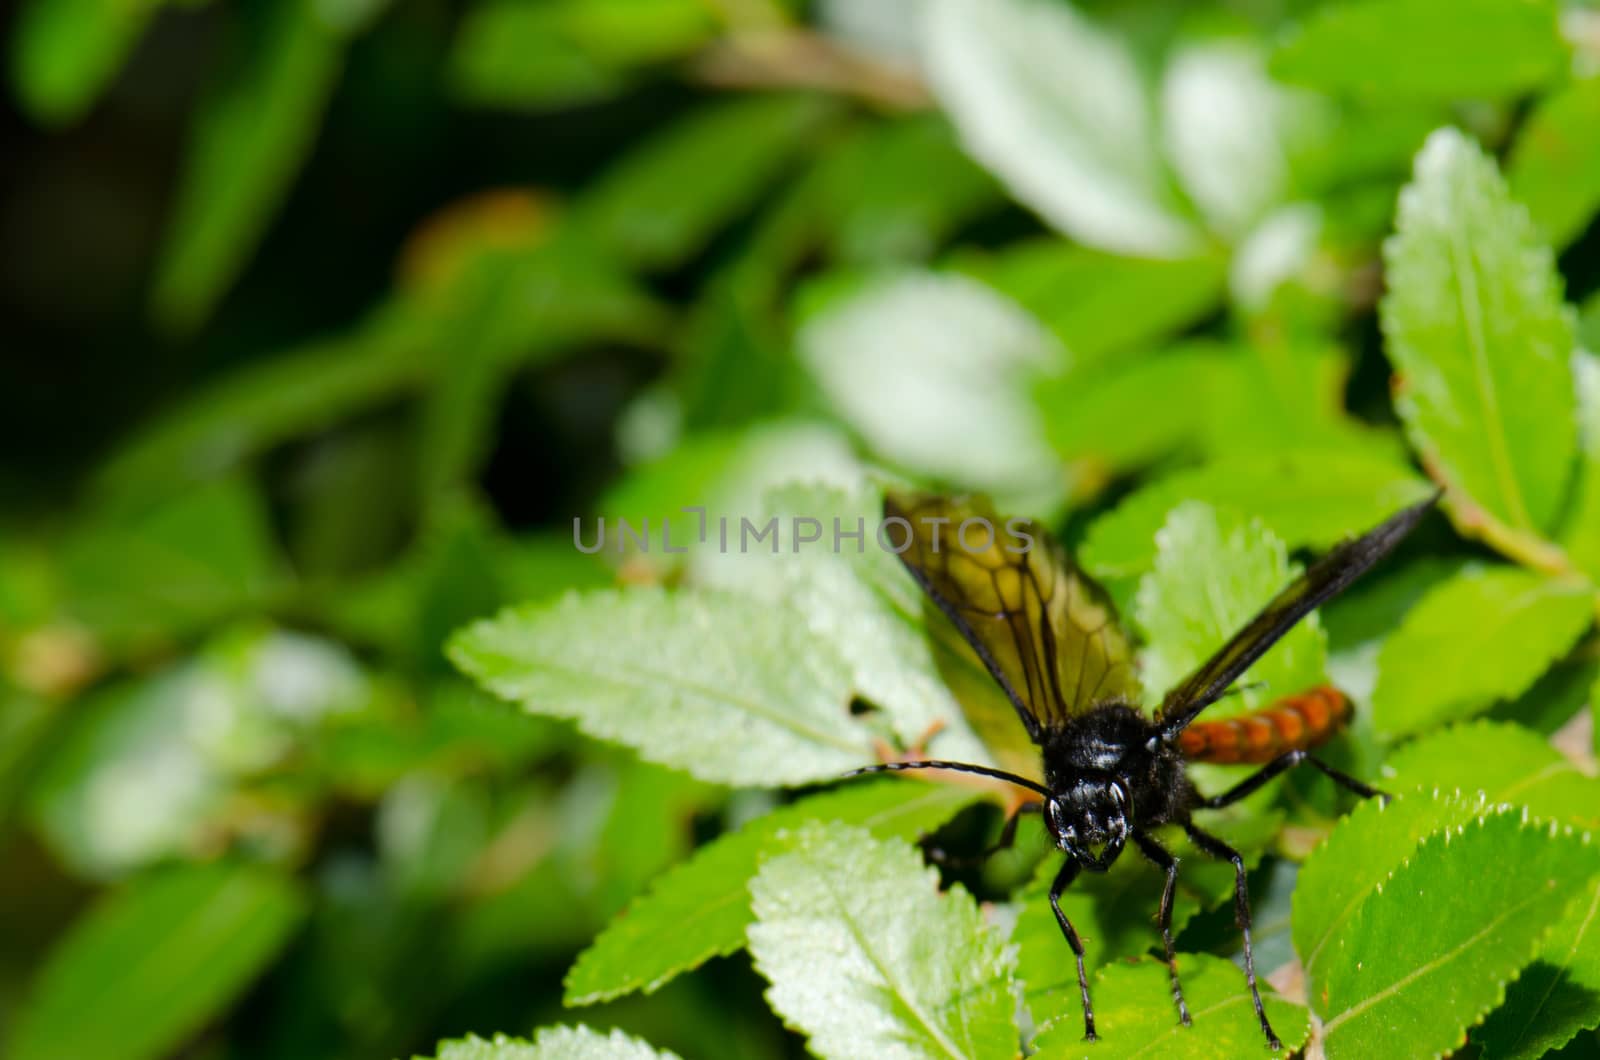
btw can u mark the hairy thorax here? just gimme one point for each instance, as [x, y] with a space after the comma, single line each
[1117, 741]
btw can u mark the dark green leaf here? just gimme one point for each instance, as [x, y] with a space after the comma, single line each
[150, 964]
[1425, 49]
[1557, 996]
[865, 955]
[1486, 634]
[246, 147]
[1581, 531]
[700, 909]
[1480, 338]
[664, 200]
[66, 52]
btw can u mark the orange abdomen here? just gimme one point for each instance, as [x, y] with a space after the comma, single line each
[1294, 723]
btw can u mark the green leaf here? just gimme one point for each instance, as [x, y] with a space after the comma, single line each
[154, 961]
[1554, 168]
[1492, 888]
[1114, 913]
[553, 1043]
[1119, 303]
[247, 144]
[1057, 109]
[949, 351]
[897, 189]
[138, 579]
[1486, 634]
[1308, 498]
[1555, 997]
[1425, 49]
[1480, 338]
[66, 52]
[865, 956]
[700, 908]
[1134, 1015]
[1580, 533]
[1506, 764]
[666, 198]
[1213, 573]
[721, 686]
[513, 54]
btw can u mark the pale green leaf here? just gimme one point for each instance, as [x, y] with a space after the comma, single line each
[1492, 887]
[1310, 498]
[700, 909]
[722, 686]
[663, 200]
[1555, 997]
[246, 146]
[1480, 339]
[1213, 573]
[1227, 128]
[1118, 303]
[1485, 634]
[1134, 1015]
[1581, 532]
[65, 52]
[865, 956]
[1554, 168]
[1506, 764]
[553, 1043]
[1425, 49]
[1057, 108]
[154, 961]
[903, 356]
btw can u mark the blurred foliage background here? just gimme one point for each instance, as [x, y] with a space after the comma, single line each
[323, 319]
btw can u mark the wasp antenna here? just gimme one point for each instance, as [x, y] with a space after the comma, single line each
[955, 767]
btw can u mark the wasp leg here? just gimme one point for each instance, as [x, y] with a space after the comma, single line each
[1064, 878]
[1168, 864]
[1280, 764]
[1008, 836]
[1215, 847]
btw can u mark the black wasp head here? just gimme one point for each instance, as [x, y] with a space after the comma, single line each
[1089, 820]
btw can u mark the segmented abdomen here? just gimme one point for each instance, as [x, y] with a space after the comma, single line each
[1294, 723]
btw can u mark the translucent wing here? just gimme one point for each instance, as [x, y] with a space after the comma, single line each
[1046, 634]
[1325, 579]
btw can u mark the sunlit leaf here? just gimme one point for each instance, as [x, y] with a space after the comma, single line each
[154, 961]
[1425, 49]
[1486, 634]
[1554, 169]
[905, 356]
[1580, 533]
[1117, 303]
[1056, 107]
[553, 1043]
[1311, 498]
[718, 685]
[1134, 1015]
[1493, 886]
[1480, 338]
[1212, 574]
[700, 909]
[865, 955]
[1555, 997]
